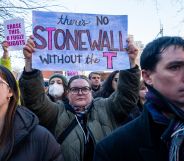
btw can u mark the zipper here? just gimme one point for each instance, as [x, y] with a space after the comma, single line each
[90, 134]
[84, 135]
[85, 138]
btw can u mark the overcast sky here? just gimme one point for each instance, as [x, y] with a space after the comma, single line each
[144, 16]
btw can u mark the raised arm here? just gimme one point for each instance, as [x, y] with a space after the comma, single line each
[32, 90]
[5, 59]
[124, 100]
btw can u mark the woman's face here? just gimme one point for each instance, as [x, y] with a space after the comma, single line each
[142, 92]
[5, 93]
[79, 94]
[56, 88]
[115, 81]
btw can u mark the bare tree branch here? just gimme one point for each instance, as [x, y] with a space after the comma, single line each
[22, 8]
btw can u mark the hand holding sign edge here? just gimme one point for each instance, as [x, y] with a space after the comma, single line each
[132, 51]
[28, 50]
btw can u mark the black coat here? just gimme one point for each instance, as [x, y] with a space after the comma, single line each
[138, 140]
[30, 141]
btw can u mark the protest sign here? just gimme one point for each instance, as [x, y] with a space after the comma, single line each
[80, 42]
[15, 34]
[70, 74]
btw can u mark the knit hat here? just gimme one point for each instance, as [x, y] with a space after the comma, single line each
[62, 77]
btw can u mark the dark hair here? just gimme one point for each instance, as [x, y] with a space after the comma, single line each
[78, 77]
[151, 54]
[106, 89]
[90, 74]
[8, 123]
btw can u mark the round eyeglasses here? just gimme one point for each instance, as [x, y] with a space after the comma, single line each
[3, 82]
[84, 90]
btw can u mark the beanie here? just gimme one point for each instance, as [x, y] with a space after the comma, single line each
[62, 77]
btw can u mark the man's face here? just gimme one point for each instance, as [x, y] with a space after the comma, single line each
[95, 80]
[80, 94]
[168, 76]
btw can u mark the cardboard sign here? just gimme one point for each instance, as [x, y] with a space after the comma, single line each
[15, 34]
[80, 42]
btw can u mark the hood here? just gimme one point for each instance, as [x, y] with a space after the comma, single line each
[24, 122]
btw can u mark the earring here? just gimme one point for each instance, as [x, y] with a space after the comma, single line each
[8, 98]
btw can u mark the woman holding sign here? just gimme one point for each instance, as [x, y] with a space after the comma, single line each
[85, 121]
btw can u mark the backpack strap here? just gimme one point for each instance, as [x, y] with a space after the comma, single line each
[65, 133]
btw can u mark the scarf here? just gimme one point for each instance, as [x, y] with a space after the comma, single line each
[173, 136]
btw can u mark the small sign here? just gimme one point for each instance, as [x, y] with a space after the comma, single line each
[15, 34]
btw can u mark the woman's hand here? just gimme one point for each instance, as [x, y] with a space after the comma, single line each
[28, 50]
[132, 52]
[5, 49]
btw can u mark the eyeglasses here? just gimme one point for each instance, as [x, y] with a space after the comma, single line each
[116, 79]
[76, 90]
[3, 82]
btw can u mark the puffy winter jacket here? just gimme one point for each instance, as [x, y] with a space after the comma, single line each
[30, 141]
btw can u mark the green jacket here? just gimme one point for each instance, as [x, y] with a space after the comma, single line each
[104, 116]
[6, 63]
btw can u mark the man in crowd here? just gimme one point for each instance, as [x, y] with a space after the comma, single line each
[95, 79]
[158, 134]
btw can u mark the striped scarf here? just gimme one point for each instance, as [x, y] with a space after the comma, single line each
[176, 151]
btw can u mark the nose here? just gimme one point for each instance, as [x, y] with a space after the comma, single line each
[80, 91]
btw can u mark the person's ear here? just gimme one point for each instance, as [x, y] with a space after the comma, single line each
[67, 93]
[10, 94]
[146, 75]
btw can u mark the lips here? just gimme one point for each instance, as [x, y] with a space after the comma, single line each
[181, 90]
[80, 99]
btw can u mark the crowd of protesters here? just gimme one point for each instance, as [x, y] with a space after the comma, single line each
[82, 119]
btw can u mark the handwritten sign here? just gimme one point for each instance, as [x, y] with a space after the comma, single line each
[70, 74]
[15, 33]
[80, 42]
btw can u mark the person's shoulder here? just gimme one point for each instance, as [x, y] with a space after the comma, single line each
[99, 102]
[123, 133]
[46, 143]
[25, 118]
[43, 137]
[31, 119]
[42, 133]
